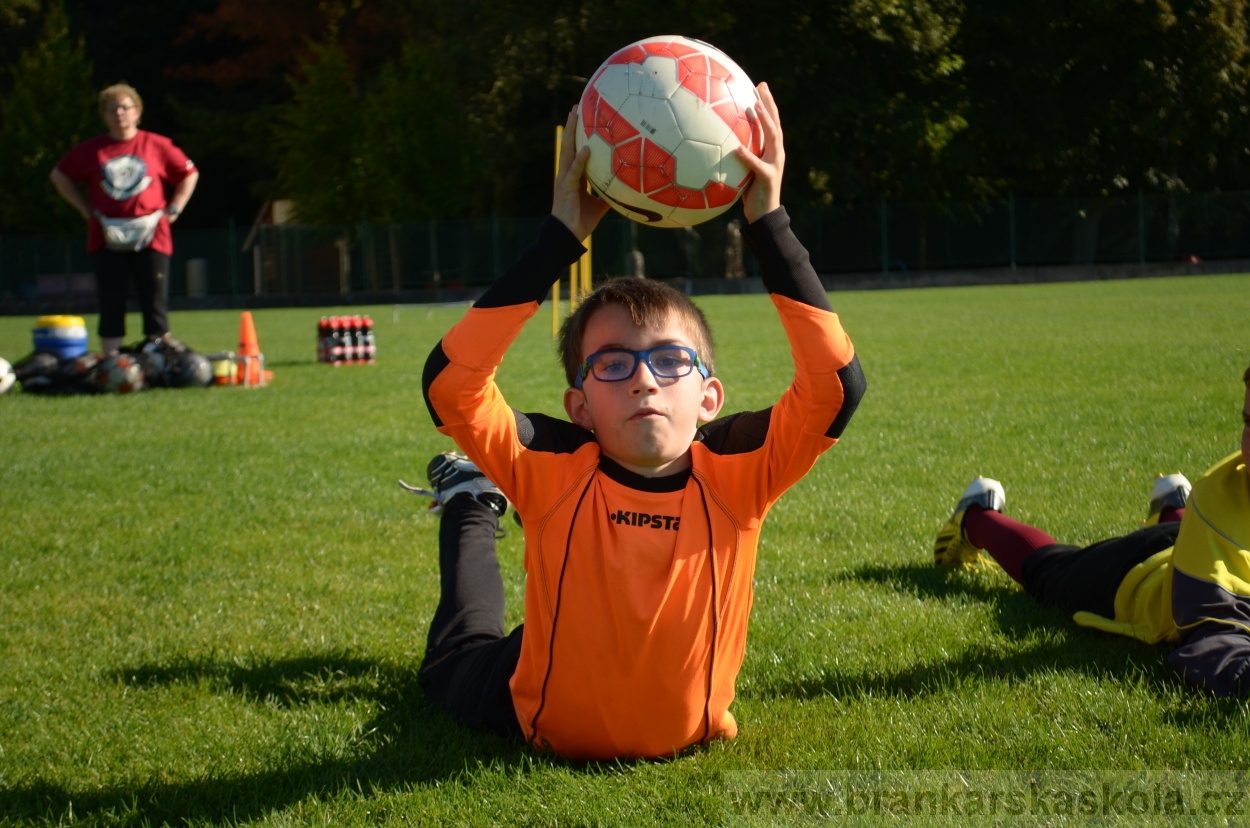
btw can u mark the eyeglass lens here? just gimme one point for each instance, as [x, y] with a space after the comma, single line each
[670, 363]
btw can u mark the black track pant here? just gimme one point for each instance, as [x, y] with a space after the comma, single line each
[1087, 579]
[113, 272]
[468, 659]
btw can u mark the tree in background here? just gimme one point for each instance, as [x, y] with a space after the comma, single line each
[422, 151]
[406, 109]
[19, 23]
[872, 97]
[918, 101]
[317, 135]
[240, 62]
[49, 107]
[1095, 98]
[397, 147]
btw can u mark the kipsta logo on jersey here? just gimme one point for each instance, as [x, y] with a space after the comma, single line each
[624, 518]
[124, 177]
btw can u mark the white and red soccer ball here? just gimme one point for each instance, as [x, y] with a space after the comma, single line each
[119, 374]
[663, 117]
[7, 377]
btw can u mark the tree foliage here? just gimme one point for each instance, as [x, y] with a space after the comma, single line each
[410, 109]
[422, 150]
[394, 148]
[18, 18]
[1091, 98]
[317, 138]
[49, 107]
[871, 94]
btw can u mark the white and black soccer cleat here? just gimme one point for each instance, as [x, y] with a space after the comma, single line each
[450, 474]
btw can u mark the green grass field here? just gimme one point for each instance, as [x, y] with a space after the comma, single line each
[213, 602]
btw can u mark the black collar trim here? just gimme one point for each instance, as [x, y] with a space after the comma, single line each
[667, 483]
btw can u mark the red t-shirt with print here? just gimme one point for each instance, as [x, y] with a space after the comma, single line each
[126, 179]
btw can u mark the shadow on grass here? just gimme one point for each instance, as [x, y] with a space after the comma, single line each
[1019, 614]
[1197, 710]
[1060, 645]
[928, 581]
[290, 363]
[979, 664]
[409, 742]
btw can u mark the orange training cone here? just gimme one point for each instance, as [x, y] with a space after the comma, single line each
[251, 360]
[248, 346]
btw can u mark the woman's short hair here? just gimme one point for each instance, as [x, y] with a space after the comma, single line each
[116, 92]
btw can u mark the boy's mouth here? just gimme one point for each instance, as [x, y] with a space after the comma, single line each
[645, 413]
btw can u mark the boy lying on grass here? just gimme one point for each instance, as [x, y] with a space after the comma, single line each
[1183, 577]
[640, 523]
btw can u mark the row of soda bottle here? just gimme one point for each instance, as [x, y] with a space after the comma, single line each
[346, 340]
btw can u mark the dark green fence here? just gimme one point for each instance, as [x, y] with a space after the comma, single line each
[900, 239]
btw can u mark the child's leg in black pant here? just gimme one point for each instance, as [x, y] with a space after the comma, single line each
[468, 659]
[1087, 579]
[1071, 577]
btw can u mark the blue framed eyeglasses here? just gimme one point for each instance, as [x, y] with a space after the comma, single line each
[619, 364]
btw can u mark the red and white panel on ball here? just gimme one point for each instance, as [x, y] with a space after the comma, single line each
[663, 117]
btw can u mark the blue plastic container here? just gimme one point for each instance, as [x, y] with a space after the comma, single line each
[65, 336]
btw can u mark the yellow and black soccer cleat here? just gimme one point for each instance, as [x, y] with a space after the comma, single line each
[952, 549]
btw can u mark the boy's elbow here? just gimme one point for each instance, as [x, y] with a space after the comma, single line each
[853, 387]
[435, 363]
[854, 384]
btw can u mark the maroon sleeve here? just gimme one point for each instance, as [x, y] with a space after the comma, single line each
[177, 165]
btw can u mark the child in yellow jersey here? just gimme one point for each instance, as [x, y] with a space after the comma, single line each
[641, 512]
[1184, 577]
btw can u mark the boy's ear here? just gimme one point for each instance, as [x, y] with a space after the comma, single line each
[712, 401]
[575, 406]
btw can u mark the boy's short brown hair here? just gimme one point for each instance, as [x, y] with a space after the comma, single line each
[116, 92]
[648, 302]
[1246, 377]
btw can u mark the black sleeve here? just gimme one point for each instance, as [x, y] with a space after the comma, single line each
[1215, 635]
[785, 264]
[531, 276]
[853, 387]
[1214, 657]
[787, 270]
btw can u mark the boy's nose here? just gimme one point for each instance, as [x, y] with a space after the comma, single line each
[643, 378]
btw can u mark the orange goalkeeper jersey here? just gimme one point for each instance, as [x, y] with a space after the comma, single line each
[639, 589]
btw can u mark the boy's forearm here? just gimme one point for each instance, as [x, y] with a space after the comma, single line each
[537, 268]
[785, 265]
[526, 282]
[787, 271]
